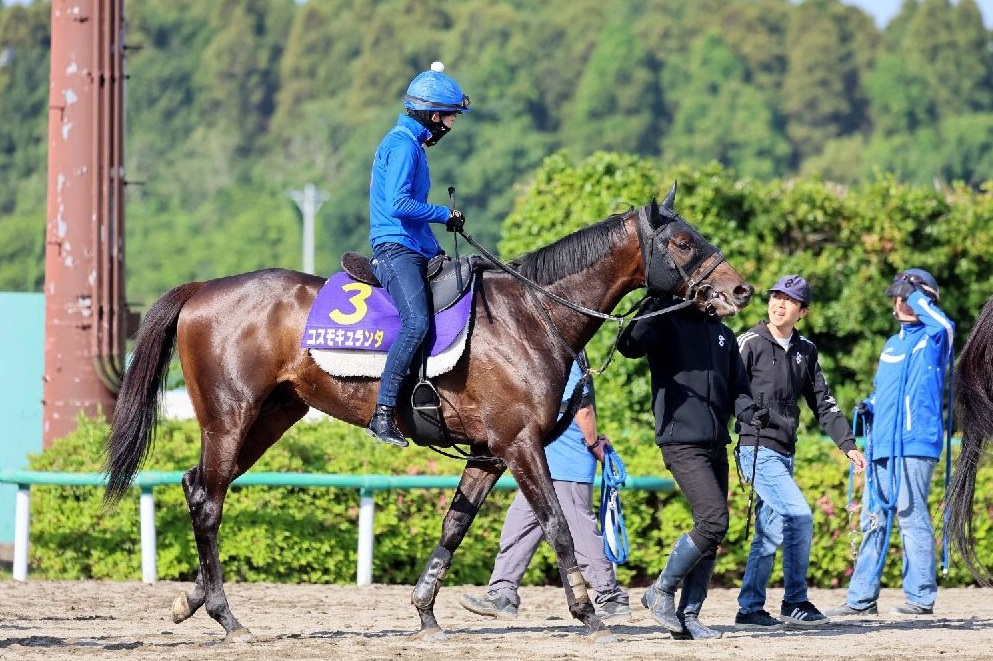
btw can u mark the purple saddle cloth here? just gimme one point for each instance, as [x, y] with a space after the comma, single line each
[348, 314]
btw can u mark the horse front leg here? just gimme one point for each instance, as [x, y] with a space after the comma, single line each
[536, 485]
[206, 508]
[477, 481]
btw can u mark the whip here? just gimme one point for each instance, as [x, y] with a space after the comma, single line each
[755, 462]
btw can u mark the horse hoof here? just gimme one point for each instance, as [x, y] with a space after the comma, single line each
[239, 636]
[181, 609]
[434, 635]
[603, 637]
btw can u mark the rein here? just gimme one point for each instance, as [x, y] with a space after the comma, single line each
[589, 312]
[588, 373]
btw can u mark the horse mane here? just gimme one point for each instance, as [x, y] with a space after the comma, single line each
[572, 253]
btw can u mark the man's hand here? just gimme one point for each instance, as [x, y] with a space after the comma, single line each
[863, 411]
[904, 289]
[455, 221]
[858, 460]
[756, 416]
[599, 446]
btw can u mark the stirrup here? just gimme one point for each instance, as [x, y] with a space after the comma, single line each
[425, 397]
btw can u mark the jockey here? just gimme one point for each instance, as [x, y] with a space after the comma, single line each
[399, 226]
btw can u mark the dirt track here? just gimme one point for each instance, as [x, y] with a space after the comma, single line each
[59, 621]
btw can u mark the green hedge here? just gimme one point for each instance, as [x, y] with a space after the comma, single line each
[310, 534]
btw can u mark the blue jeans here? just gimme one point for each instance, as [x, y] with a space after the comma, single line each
[916, 535]
[403, 272]
[782, 518]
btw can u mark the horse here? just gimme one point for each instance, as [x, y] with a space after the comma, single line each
[249, 380]
[973, 405]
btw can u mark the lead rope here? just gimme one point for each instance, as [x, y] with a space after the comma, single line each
[615, 534]
[945, 541]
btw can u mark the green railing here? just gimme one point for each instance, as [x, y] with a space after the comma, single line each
[146, 482]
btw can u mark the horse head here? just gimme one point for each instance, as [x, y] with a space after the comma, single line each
[678, 261]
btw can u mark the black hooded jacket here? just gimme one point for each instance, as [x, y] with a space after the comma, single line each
[783, 376]
[698, 380]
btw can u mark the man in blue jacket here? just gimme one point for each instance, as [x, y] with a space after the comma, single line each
[400, 220]
[907, 428]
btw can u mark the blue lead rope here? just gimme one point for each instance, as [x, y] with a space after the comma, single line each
[615, 535]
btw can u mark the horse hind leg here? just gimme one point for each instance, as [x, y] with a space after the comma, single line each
[206, 506]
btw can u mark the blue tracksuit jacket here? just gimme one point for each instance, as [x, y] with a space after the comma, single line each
[907, 401]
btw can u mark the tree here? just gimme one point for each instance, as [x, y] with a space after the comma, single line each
[717, 116]
[818, 89]
[617, 101]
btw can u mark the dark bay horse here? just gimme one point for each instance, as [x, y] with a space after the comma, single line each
[239, 344]
[973, 395]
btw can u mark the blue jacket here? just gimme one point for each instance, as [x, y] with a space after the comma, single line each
[568, 457]
[398, 191]
[907, 401]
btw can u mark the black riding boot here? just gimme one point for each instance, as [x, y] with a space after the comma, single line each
[691, 599]
[384, 428]
[660, 597]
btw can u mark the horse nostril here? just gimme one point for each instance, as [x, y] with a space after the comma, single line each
[744, 291]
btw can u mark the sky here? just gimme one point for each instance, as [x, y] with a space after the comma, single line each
[884, 10]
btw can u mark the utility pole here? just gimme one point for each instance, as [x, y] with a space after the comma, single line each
[309, 201]
[85, 310]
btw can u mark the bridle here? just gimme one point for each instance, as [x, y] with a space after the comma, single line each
[661, 277]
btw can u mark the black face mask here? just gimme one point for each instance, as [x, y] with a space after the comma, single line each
[438, 129]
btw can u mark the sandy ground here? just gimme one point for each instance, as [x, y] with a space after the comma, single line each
[59, 621]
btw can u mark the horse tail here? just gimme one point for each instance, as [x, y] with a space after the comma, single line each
[974, 412]
[136, 413]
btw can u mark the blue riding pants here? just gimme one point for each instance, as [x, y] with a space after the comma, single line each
[403, 272]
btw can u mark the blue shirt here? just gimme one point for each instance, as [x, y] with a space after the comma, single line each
[398, 191]
[568, 458]
[907, 401]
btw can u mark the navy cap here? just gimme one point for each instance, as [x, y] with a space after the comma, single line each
[793, 286]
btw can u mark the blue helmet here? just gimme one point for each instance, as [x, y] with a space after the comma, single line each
[924, 280]
[433, 90]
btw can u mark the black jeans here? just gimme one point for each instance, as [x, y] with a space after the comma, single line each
[701, 471]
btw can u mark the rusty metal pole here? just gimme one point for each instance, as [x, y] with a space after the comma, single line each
[84, 256]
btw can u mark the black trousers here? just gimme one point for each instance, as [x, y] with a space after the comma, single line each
[701, 471]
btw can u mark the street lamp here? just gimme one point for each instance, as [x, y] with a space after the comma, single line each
[308, 200]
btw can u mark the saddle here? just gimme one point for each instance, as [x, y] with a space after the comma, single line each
[448, 278]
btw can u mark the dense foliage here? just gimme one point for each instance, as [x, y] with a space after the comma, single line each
[310, 535]
[232, 103]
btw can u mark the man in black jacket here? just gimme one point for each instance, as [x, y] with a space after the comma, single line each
[698, 383]
[783, 366]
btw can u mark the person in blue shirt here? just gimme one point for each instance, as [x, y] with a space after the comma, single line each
[904, 413]
[400, 220]
[572, 462]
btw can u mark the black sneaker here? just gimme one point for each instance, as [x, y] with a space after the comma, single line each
[803, 613]
[759, 619]
[491, 604]
[845, 610]
[614, 609]
[913, 609]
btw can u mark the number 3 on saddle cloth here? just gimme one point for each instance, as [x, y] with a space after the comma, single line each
[352, 325]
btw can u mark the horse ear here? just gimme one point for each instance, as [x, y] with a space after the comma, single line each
[670, 197]
[653, 215]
